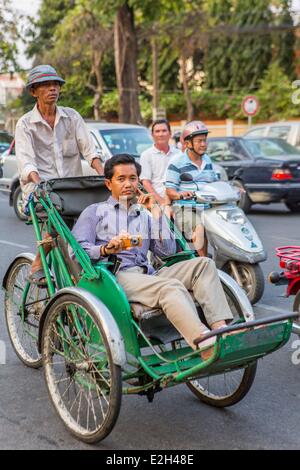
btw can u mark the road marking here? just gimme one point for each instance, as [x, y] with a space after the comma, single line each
[274, 237]
[4, 242]
[270, 308]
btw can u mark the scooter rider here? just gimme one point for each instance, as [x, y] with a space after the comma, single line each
[198, 165]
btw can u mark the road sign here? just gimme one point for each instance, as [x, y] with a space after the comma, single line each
[159, 113]
[250, 105]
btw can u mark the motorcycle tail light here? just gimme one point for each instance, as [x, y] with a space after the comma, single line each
[280, 174]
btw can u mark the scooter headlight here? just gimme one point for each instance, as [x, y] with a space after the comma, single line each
[234, 216]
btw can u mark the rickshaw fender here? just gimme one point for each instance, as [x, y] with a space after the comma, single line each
[29, 256]
[239, 293]
[110, 327]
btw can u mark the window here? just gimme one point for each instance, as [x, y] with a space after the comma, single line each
[5, 141]
[265, 148]
[280, 132]
[298, 137]
[224, 151]
[133, 141]
[98, 148]
[257, 132]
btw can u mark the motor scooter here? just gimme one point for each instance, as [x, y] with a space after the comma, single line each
[237, 248]
[289, 261]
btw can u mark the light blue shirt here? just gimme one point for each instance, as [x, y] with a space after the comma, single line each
[99, 223]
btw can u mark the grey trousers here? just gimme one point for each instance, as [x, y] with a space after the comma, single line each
[168, 290]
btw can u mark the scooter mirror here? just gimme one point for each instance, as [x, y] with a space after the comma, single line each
[186, 177]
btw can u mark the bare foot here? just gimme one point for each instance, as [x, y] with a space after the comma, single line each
[223, 324]
[206, 347]
[205, 355]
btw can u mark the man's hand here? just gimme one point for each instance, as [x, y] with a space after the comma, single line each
[115, 245]
[146, 200]
[97, 166]
[186, 195]
[174, 195]
[34, 177]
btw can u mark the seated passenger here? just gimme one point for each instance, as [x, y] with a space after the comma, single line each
[99, 232]
[197, 164]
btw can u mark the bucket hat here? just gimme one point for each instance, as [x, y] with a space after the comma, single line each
[43, 73]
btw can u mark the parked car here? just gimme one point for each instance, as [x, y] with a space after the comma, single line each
[266, 170]
[5, 141]
[109, 139]
[287, 130]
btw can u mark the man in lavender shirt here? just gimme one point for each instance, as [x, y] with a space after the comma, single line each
[101, 230]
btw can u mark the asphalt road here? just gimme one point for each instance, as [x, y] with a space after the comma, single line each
[267, 418]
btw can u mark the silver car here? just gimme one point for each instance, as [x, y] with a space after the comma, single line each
[109, 139]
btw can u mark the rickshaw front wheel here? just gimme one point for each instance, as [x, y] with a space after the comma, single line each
[230, 387]
[24, 303]
[83, 382]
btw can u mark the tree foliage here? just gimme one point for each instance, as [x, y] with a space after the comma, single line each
[8, 37]
[284, 42]
[195, 58]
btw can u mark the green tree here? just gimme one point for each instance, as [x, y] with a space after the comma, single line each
[275, 95]
[8, 37]
[251, 46]
[82, 42]
[42, 32]
[284, 42]
[218, 57]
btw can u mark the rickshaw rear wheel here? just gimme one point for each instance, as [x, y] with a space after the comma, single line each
[84, 384]
[215, 390]
[22, 319]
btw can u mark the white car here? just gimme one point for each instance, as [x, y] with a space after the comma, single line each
[287, 130]
[109, 139]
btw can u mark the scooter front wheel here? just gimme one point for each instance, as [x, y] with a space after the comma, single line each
[250, 277]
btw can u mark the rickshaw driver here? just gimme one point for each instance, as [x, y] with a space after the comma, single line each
[98, 232]
[49, 142]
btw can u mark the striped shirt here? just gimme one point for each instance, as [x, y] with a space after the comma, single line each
[99, 223]
[183, 164]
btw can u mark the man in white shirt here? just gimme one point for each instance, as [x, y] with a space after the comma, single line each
[155, 160]
[50, 140]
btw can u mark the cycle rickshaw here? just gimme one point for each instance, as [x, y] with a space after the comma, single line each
[95, 346]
